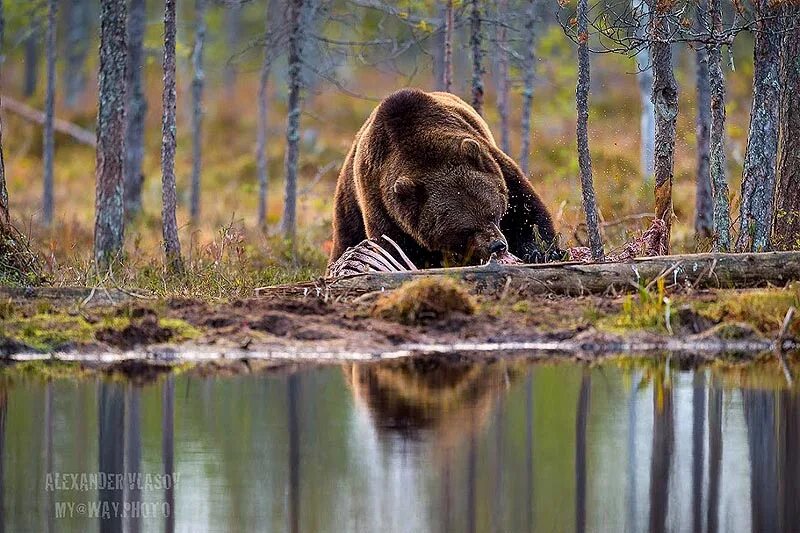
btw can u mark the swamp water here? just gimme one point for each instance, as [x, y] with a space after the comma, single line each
[411, 446]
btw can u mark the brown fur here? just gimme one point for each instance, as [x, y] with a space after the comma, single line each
[425, 170]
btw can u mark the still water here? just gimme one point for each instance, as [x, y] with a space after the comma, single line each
[410, 446]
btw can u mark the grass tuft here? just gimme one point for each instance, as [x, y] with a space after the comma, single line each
[424, 300]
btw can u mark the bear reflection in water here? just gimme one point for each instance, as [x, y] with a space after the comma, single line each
[431, 398]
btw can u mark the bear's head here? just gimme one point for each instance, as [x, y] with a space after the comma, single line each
[454, 205]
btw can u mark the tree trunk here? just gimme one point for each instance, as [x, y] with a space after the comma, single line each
[31, 61]
[263, 115]
[109, 218]
[2, 33]
[476, 43]
[665, 101]
[296, 39]
[758, 176]
[528, 77]
[437, 49]
[584, 157]
[663, 446]
[78, 38]
[704, 205]
[581, 426]
[197, 106]
[233, 24]
[48, 142]
[137, 109]
[172, 245]
[502, 76]
[447, 82]
[4, 212]
[787, 217]
[644, 76]
[717, 170]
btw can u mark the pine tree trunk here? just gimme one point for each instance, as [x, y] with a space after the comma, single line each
[4, 212]
[665, 101]
[476, 43]
[760, 160]
[704, 205]
[447, 82]
[437, 49]
[502, 77]
[528, 77]
[263, 115]
[233, 24]
[293, 120]
[584, 157]
[644, 76]
[2, 33]
[78, 39]
[48, 141]
[717, 164]
[109, 219]
[787, 217]
[197, 106]
[172, 245]
[31, 61]
[137, 110]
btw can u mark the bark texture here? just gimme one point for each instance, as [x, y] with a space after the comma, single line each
[704, 205]
[263, 114]
[4, 213]
[665, 101]
[137, 108]
[528, 78]
[717, 163]
[584, 157]
[79, 35]
[48, 141]
[760, 160]
[787, 216]
[109, 222]
[447, 82]
[644, 76]
[198, 82]
[172, 246]
[296, 39]
[476, 44]
[502, 76]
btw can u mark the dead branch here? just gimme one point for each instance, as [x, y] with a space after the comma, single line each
[27, 112]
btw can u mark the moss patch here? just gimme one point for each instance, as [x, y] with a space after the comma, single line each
[44, 369]
[424, 300]
[764, 309]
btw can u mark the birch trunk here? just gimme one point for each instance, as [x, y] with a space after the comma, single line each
[760, 160]
[665, 102]
[528, 78]
[584, 157]
[198, 82]
[704, 206]
[293, 120]
[172, 245]
[263, 116]
[476, 43]
[717, 164]
[448, 48]
[78, 39]
[787, 218]
[502, 76]
[137, 108]
[644, 76]
[48, 141]
[109, 222]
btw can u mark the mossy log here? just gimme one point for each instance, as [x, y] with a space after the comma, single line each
[712, 270]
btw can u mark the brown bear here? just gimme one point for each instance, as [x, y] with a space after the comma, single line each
[424, 170]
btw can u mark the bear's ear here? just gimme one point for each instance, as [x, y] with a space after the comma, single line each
[407, 189]
[473, 150]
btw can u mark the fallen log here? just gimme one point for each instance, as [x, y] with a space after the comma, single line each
[712, 270]
[27, 112]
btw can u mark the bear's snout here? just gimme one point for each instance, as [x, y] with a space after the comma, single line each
[498, 247]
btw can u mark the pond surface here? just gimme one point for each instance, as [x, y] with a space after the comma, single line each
[408, 446]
